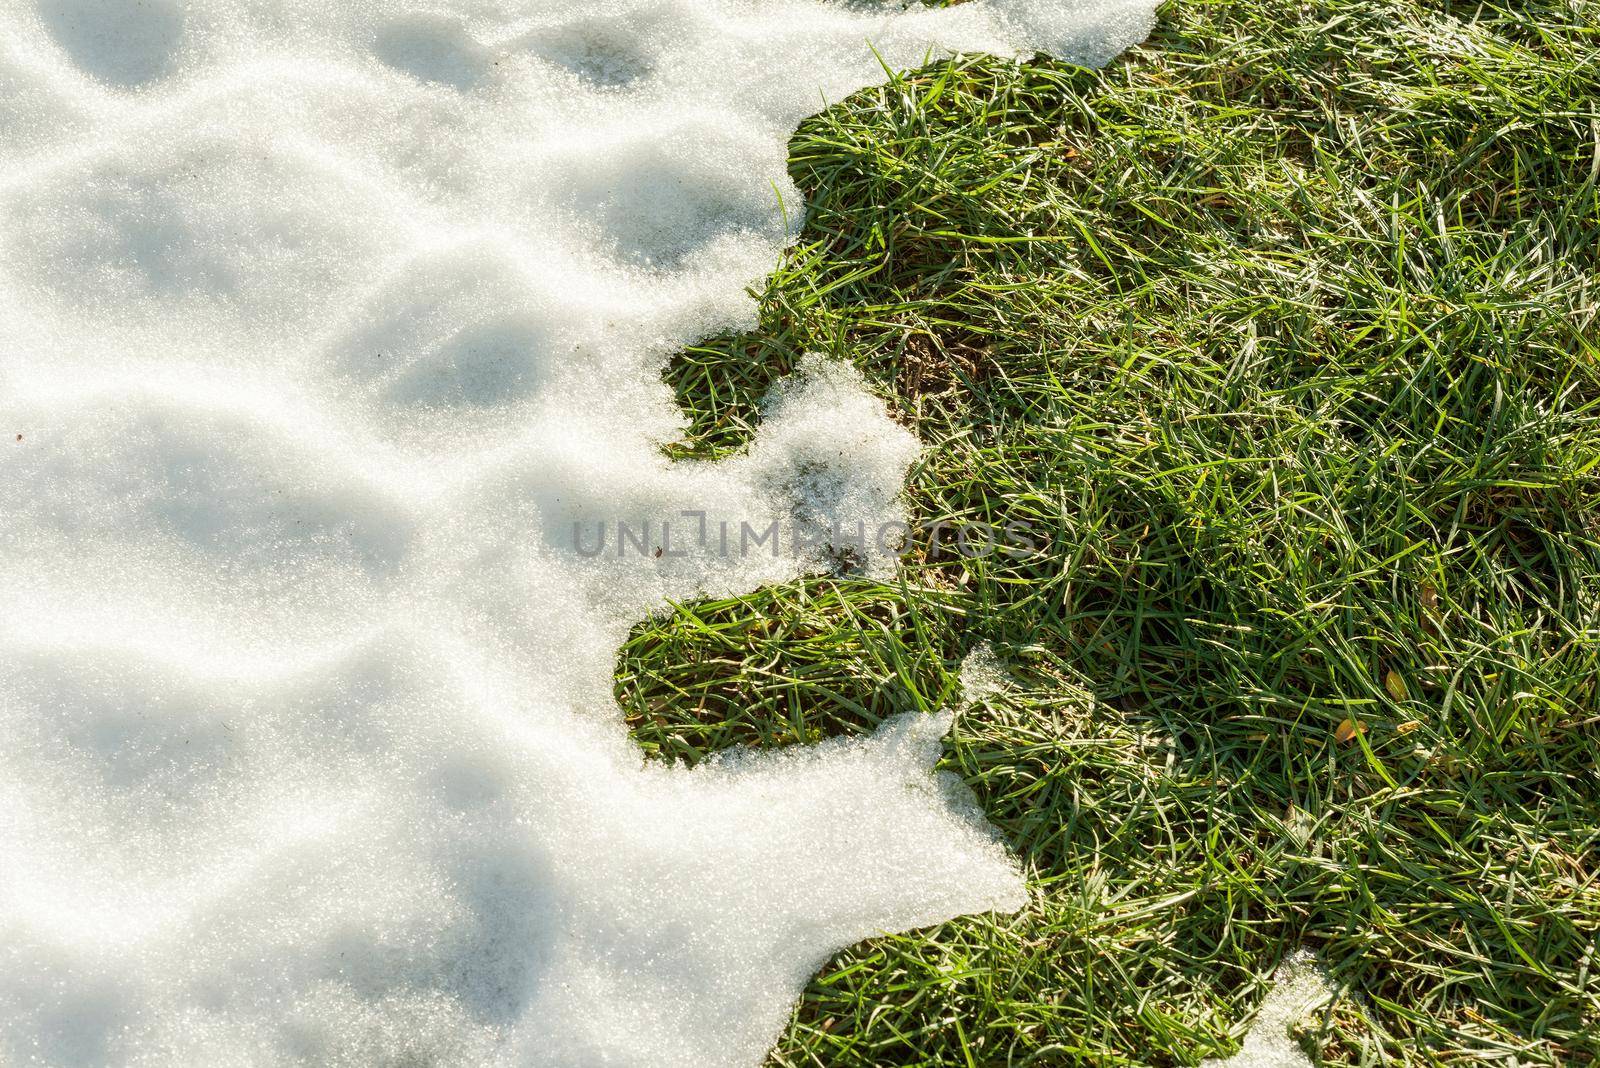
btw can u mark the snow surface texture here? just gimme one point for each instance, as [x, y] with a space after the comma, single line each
[1298, 989]
[983, 677]
[320, 326]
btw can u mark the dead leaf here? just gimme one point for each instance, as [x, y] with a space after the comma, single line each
[1395, 685]
[1348, 729]
[1430, 596]
[1408, 726]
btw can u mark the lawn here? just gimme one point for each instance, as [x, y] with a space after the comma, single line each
[1280, 335]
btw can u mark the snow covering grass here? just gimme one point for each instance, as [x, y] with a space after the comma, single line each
[1279, 335]
[1297, 991]
[1282, 333]
[325, 331]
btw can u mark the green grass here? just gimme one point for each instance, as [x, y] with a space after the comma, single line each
[1281, 333]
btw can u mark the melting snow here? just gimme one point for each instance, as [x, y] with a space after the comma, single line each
[1298, 989]
[983, 676]
[327, 328]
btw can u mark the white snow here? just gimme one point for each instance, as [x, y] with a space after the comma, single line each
[983, 676]
[321, 325]
[1299, 988]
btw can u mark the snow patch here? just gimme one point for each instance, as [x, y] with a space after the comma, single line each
[1299, 988]
[983, 676]
[325, 326]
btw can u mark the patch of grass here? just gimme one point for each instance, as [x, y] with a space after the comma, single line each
[1281, 336]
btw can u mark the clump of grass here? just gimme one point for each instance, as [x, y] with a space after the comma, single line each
[1281, 336]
